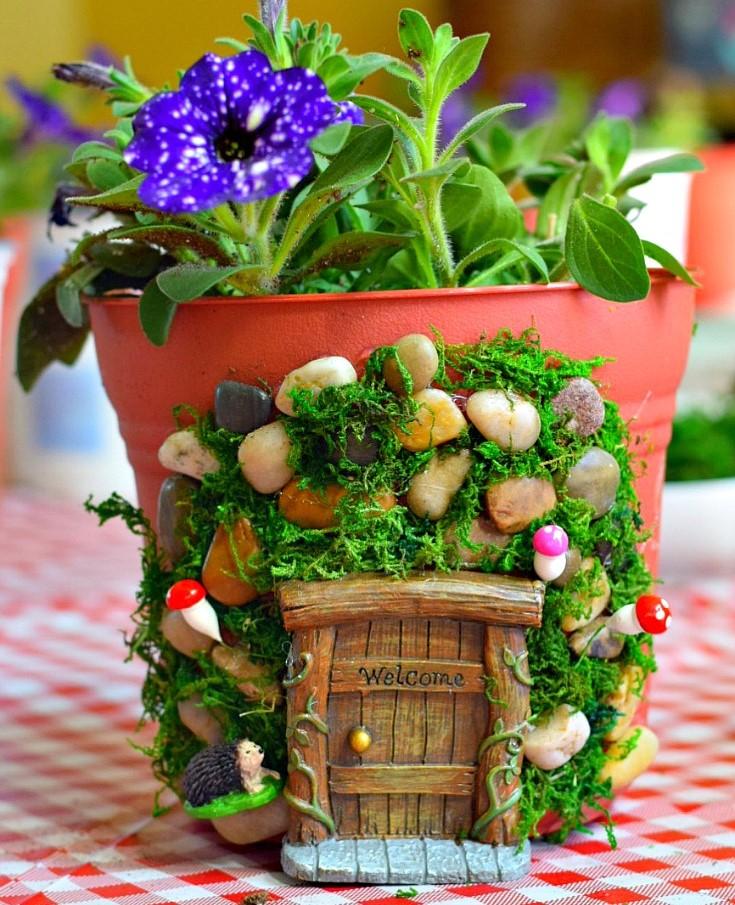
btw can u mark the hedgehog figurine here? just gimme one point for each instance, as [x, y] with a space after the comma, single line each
[221, 769]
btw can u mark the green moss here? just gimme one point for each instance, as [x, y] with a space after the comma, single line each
[393, 543]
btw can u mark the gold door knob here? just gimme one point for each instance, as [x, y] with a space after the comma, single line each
[359, 739]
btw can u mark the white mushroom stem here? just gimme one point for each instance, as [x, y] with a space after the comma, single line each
[202, 617]
[625, 621]
[549, 567]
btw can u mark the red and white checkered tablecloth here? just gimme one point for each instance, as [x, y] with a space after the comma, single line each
[75, 798]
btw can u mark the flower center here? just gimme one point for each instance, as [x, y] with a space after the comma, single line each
[235, 143]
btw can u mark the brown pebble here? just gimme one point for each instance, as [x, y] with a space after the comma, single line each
[181, 636]
[591, 600]
[580, 407]
[255, 826]
[514, 503]
[483, 533]
[200, 721]
[310, 508]
[174, 510]
[420, 358]
[220, 575]
[574, 561]
[595, 478]
[596, 640]
[255, 681]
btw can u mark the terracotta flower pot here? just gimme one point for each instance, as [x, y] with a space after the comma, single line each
[250, 339]
[711, 243]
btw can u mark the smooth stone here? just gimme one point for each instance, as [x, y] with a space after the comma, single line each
[437, 421]
[595, 478]
[574, 562]
[505, 418]
[580, 407]
[310, 508]
[200, 721]
[240, 407]
[220, 574]
[182, 452]
[174, 509]
[431, 491]
[514, 503]
[332, 371]
[596, 640]
[622, 768]
[182, 637]
[592, 600]
[255, 826]
[255, 681]
[361, 450]
[557, 738]
[263, 457]
[418, 355]
[626, 700]
[483, 533]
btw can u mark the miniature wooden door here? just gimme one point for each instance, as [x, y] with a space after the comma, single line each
[406, 706]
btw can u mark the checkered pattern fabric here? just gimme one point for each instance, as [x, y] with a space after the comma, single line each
[75, 797]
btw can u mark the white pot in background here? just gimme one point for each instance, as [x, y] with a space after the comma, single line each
[698, 529]
[665, 219]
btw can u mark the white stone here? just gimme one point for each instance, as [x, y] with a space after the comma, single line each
[505, 418]
[419, 356]
[549, 567]
[432, 491]
[332, 371]
[557, 738]
[182, 452]
[263, 457]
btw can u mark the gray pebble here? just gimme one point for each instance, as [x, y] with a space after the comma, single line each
[595, 478]
[596, 640]
[240, 407]
[174, 509]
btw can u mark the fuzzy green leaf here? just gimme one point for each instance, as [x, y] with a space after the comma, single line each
[391, 211]
[416, 36]
[331, 140]
[358, 69]
[68, 293]
[458, 200]
[674, 163]
[95, 150]
[44, 336]
[460, 64]
[495, 214]
[475, 125]
[361, 158]
[174, 239]
[609, 141]
[104, 175]
[506, 245]
[156, 313]
[122, 198]
[668, 261]
[604, 253]
[391, 115]
[185, 282]
[351, 251]
[131, 259]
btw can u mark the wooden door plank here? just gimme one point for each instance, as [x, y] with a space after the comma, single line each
[307, 791]
[496, 801]
[433, 675]
[415, 779]
[443, 644]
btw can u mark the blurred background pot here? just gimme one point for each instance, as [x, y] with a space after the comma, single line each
[253, 339]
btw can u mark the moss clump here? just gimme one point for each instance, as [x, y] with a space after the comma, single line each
[395, 542]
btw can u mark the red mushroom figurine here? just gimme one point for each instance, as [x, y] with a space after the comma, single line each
[190, 598]
[649, 614]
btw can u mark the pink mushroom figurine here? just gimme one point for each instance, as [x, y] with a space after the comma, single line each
[550, 544]
[649, 614]
[190, 597]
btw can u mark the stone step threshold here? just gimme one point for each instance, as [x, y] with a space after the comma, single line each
[397, 861]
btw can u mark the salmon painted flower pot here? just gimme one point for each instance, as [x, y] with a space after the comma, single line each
[254, 339]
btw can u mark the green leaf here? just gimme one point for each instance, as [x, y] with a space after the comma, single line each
[174, 239]
[481, 121]
[438, 175]
[392, 211]
[95, 150]
[358, 69]
[122, 198]
[233, 44]
[185, 282]
[460, 64]
[68, 293]
[604, 253]
[131, 259]
[495, 214]
[402, 70]
[361, 158]
[416, 36]
[609, 141]
[391, 115]
[104, 175]
[331, 140]
[351, 251]
[458, 200]
[252, 279]
[44, 336]
[674, 163]
[507, 245]
[156, 313]
[263, 39]
[668, 261]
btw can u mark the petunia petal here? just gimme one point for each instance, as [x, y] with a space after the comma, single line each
[262, 177]
[182, 193]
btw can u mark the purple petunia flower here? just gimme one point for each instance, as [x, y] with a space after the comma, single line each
[538, 92]
[234, 131]
[347, 112]
[626, 97]
[46, 120]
